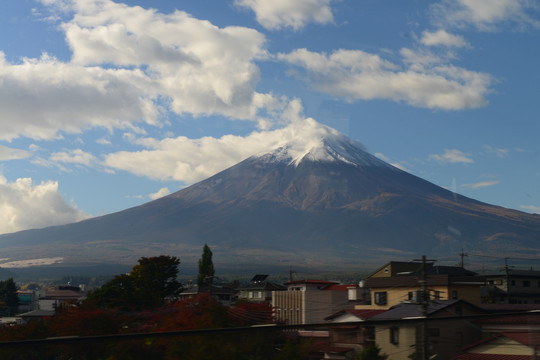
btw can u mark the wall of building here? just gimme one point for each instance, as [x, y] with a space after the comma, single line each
[307, 306]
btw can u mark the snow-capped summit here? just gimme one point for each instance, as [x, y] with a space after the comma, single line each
[314, 198]
[310, 140]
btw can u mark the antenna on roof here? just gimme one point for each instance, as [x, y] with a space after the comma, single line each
[291, 272]
[462, 255]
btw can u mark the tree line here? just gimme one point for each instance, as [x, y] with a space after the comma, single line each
[146, 300]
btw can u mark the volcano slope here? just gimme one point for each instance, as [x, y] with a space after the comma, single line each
[317, 203]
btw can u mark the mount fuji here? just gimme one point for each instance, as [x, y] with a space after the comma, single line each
[316, 199]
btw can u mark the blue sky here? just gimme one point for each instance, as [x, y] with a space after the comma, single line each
[106, 105]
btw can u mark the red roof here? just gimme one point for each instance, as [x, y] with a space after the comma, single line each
[526, 338]
[530, 318]
[362, 314]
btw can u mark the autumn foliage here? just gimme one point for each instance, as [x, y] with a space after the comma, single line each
[109, 313]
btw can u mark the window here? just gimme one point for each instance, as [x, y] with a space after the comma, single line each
[414, 296]
[526, 283]
[454, 294]
[513, 282]
[394, 335]
[437, 295]
[380, 298]
[433, 332]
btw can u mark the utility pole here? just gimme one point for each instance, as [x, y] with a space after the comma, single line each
[507, 276]
[425, 304]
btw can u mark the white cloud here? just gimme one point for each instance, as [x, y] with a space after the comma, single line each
[531, 208]
[26, 206]
[425, 82]
[7, 153]
[130, 65]
[278, 14]
[202, 68]
[40, 97]
[485, 15]
[160, 193]
[498, 152]
[76, 156]
[191, 160]
[441, 37]
[452, 156]
[481, 184]
[31, 262]
[103, 141]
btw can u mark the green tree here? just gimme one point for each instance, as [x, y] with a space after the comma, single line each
[155, 279]
[147, 286]
[118, 293]
[9, 300]
[206, 268]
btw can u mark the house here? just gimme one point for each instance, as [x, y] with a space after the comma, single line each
[11, 320]
[37, 315]
[224, 294]
[512, 286]
[513, 332]
[390, 285]
[395, 268]
[346, 333]
[259, 289]
[399, 332]
[59, 295]
[311, 301]
[27, 300]
[504, 346]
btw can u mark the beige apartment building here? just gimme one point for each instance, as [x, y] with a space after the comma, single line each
[311, 301]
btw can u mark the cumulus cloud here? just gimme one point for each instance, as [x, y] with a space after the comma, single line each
[278, 14]
[26, 206]
[485, 15]
[421, 81]
[202, 68]
[191, 160]
[40, 97]
[7, 153]
[452, 156]
[164, 191]
[76, 156]
[441, 37]
[131, 65]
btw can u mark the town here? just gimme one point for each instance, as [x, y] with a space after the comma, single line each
[402, 310]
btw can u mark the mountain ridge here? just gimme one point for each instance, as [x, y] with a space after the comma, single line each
[319, 201]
